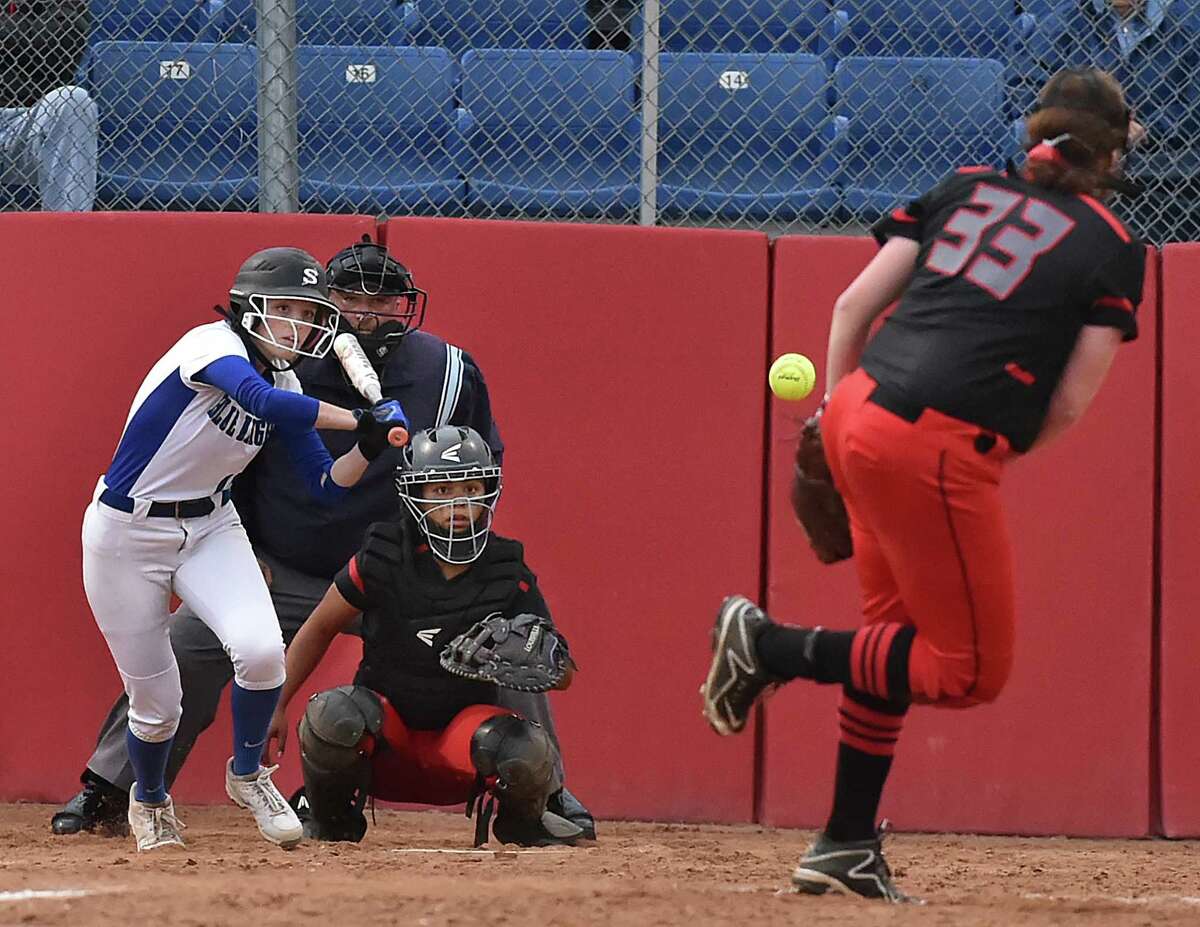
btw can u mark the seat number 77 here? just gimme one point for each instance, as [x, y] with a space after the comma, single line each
[991, 206]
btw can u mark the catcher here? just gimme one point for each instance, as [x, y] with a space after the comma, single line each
[450, 611]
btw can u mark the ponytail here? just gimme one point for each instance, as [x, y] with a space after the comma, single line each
[1080, 120]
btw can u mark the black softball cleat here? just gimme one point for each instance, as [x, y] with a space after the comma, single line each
[736, 677]
[851, 867]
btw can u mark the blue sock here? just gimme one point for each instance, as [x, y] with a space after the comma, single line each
[149, 763]
[252, 710]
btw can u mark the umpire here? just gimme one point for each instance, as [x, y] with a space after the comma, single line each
[301, 544]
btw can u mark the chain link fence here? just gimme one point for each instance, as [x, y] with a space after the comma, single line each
[789, 115]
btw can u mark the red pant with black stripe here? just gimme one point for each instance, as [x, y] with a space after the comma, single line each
[932, 552]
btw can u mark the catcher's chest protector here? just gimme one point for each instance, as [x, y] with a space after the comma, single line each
[417, 615]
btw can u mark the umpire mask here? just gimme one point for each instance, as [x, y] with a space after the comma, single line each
[455, 520]
[367, 270]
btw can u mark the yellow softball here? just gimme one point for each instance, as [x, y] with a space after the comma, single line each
[792, 377]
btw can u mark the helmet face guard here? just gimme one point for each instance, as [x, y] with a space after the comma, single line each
[308, 339]
[383, 330]
[460, 546]
[286, 274]
[450, 454]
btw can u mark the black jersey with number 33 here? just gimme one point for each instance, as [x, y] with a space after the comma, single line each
[1007, 276]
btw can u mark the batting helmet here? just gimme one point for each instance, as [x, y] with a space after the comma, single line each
[284, 273]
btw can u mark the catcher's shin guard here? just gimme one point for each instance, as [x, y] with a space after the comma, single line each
[519, 760]
[335, 736]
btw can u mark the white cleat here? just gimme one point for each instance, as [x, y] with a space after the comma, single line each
[275, 818]
[154, 826]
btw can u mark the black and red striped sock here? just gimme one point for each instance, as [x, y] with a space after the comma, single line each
[873, 659]
[870, 728]
[879, 660]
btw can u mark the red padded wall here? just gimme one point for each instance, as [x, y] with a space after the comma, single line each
[1180, 630]
[625, 367]
[92, 301]
[1066, 748]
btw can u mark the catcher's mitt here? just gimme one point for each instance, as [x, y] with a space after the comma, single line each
[525, 653]
[816, 501]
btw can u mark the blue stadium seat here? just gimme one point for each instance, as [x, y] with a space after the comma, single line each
[909, 122]
[462, 24]
[746, 26]
[551, 132]
[915, 28]
[177, 125]
[378, 131]
[158, 21]
[325, 22]
[745, 135]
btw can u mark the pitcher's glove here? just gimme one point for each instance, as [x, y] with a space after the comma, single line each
[525, 653]
[816, 501]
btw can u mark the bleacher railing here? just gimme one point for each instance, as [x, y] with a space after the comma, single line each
[780, 114]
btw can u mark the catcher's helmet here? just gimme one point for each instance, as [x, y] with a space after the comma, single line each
[279, 273]
[367, 269]
[443, 455]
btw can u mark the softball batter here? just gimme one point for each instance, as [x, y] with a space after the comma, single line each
[160, 522]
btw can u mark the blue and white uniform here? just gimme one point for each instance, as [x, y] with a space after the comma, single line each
[198, 419]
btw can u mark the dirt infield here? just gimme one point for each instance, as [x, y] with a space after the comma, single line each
[638, 874]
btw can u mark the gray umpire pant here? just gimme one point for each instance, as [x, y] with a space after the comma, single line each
[52, 146]
[205, 670]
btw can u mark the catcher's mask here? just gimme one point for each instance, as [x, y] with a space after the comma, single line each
[366, 269]
[284, 273]
[447, 455]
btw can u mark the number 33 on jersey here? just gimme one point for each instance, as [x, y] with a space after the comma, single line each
[1019, 243]
[1006, 276]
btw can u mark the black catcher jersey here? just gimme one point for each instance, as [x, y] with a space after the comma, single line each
[411, 612]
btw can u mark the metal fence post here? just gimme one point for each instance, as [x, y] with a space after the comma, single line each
[648, 211]
[278, 146]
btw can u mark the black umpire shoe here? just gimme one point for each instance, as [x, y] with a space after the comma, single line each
[736, 677]
[852, 867]
[99, 804]
[566, 805]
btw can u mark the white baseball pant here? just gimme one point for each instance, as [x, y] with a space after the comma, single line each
[131, 565]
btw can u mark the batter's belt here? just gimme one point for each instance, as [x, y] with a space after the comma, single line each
[185, 508]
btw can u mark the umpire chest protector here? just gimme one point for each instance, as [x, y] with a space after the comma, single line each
[416, 612]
